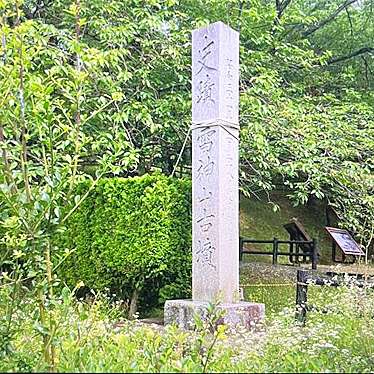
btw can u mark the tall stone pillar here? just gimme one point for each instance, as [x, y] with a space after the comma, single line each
[215, 190]
[215, 148]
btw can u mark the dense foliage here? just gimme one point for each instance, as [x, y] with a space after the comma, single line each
[132, 236]
[102, 88]
[306, 88]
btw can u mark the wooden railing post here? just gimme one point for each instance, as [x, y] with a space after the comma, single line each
[304, 255]
[275, 251]
[297, 250]
[301, 296]
[291, 258]
[333, 252]
[315, 254]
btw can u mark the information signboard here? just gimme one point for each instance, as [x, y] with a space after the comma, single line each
[345, 241]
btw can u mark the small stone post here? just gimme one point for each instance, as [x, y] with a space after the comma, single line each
[215, 189]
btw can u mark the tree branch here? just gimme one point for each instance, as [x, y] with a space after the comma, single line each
[351, 28]
[366, 71]
[327, 20]
[240, 11]
[280, 7]
[283, 5]
[359, 52]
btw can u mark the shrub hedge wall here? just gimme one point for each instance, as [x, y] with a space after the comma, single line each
[132, 234]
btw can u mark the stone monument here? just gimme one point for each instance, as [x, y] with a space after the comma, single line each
[215, 189]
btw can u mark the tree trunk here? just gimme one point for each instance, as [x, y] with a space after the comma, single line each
[133, 303]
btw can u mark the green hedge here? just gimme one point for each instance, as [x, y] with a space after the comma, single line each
[132, 233]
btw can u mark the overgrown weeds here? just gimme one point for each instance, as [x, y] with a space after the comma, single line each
[338, 337]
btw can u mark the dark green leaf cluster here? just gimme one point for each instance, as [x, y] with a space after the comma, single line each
[132, 234]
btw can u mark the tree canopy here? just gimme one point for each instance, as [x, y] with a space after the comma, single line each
[104, 87]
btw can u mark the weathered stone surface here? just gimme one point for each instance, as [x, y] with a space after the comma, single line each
[215, 74]
[215, 189]
[236, 315]
[215, 212]
[215, 146]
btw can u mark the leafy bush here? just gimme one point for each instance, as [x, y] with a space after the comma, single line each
[132, 236]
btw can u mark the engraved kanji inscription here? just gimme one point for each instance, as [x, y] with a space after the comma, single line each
[229, 161]
[230, 165]
[205, 252]
[229, 88]
[204, 54]
[229, 68]
[229, 91]
[206, 85]
[205, 221]
[205, 140]
[205, 195]
[205, 168]
[205, 94]
[230, 111]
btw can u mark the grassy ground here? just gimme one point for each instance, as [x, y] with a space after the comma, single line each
[275, 286]
[259, 221]
[338, 335]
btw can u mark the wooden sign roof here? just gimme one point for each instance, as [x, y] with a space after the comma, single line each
[297, 230]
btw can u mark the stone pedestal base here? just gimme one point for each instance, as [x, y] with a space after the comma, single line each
[241, 314]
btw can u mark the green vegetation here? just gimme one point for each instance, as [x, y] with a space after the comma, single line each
[98, 89]
[133, 237]
[338, 338]
[107, 84]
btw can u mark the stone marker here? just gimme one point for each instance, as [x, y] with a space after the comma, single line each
[215, 190]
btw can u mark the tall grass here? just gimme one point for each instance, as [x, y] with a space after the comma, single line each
[338, 337]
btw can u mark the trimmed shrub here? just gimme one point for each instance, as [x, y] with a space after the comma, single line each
[132, 236]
